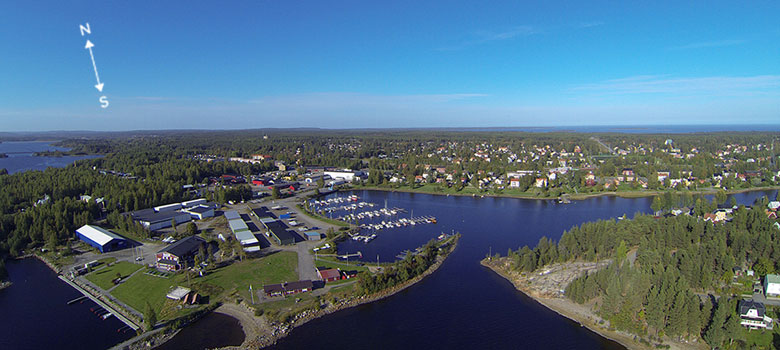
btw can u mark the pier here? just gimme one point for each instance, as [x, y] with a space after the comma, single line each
[102, 304]
[76, 300]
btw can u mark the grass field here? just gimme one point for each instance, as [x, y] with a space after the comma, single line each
[103, 277]
[275, 268]
[330, 264]
[141, 288]
[217, 284]
[322, 218]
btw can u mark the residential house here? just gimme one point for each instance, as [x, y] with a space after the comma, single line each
[753, 315]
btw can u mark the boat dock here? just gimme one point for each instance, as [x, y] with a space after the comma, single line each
[102, 304]
[400, 222]
[76, 300]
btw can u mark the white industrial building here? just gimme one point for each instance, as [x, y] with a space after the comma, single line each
[162, 216]
[772, 285]
[346, 175]
[200, 212]
[102, 239]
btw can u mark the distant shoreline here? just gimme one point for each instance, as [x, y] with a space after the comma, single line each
[631, 194]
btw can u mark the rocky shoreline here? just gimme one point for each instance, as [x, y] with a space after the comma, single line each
[5, 284]
[554, 300]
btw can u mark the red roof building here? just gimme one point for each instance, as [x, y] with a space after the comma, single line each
[329, 275]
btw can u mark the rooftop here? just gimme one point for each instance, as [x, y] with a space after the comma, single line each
[97, 234]
[329, 273]
[198, 210]
[178, 293]
[184, 246]
[232, 214]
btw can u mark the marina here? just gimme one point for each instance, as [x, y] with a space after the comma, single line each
[369, 221]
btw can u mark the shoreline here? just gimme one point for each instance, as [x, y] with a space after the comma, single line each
[580, 196]
[585, 317]
[279, 331]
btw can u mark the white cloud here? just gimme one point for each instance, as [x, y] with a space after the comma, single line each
[589, 24]
[362, 99]
[707, 44]
[484, 36]
[661, 84]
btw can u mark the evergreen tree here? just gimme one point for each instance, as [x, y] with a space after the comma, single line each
[192, 228]
[150, 317]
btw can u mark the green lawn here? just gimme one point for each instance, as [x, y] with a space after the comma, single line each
[322, 218]
[326, 262]
[275, 268]
[141, 288]
[103, 277]
[761, 339]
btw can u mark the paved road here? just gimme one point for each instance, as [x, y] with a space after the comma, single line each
[146, 251]
[306, 268]
[602, 144]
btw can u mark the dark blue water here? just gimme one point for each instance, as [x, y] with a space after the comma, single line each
[20, 156]
[34, 314]
[464, 305]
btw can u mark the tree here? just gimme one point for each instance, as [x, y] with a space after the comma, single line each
[733, 328]
[320, 182]
[192, 228]
[275, 193]
[173, 224]
[657, 205]
[150, 317]
[721, 197]
[3, 171]
[715, 332]
[239, 250]
[3, 271]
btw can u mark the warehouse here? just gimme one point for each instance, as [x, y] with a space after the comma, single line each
[232, 215]
[153, 220]
[244, 235]
[346, 175]
[103, 240]
[263, 212]
[200, 212]
[282, 236]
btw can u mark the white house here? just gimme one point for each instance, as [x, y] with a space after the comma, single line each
[772, 285]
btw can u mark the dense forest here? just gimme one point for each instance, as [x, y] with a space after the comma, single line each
[666, 273]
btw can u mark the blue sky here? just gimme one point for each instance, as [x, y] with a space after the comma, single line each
[357, 64]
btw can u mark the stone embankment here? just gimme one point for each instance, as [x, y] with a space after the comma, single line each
[260, 333]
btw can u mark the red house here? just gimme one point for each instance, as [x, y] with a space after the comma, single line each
[329, 275]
